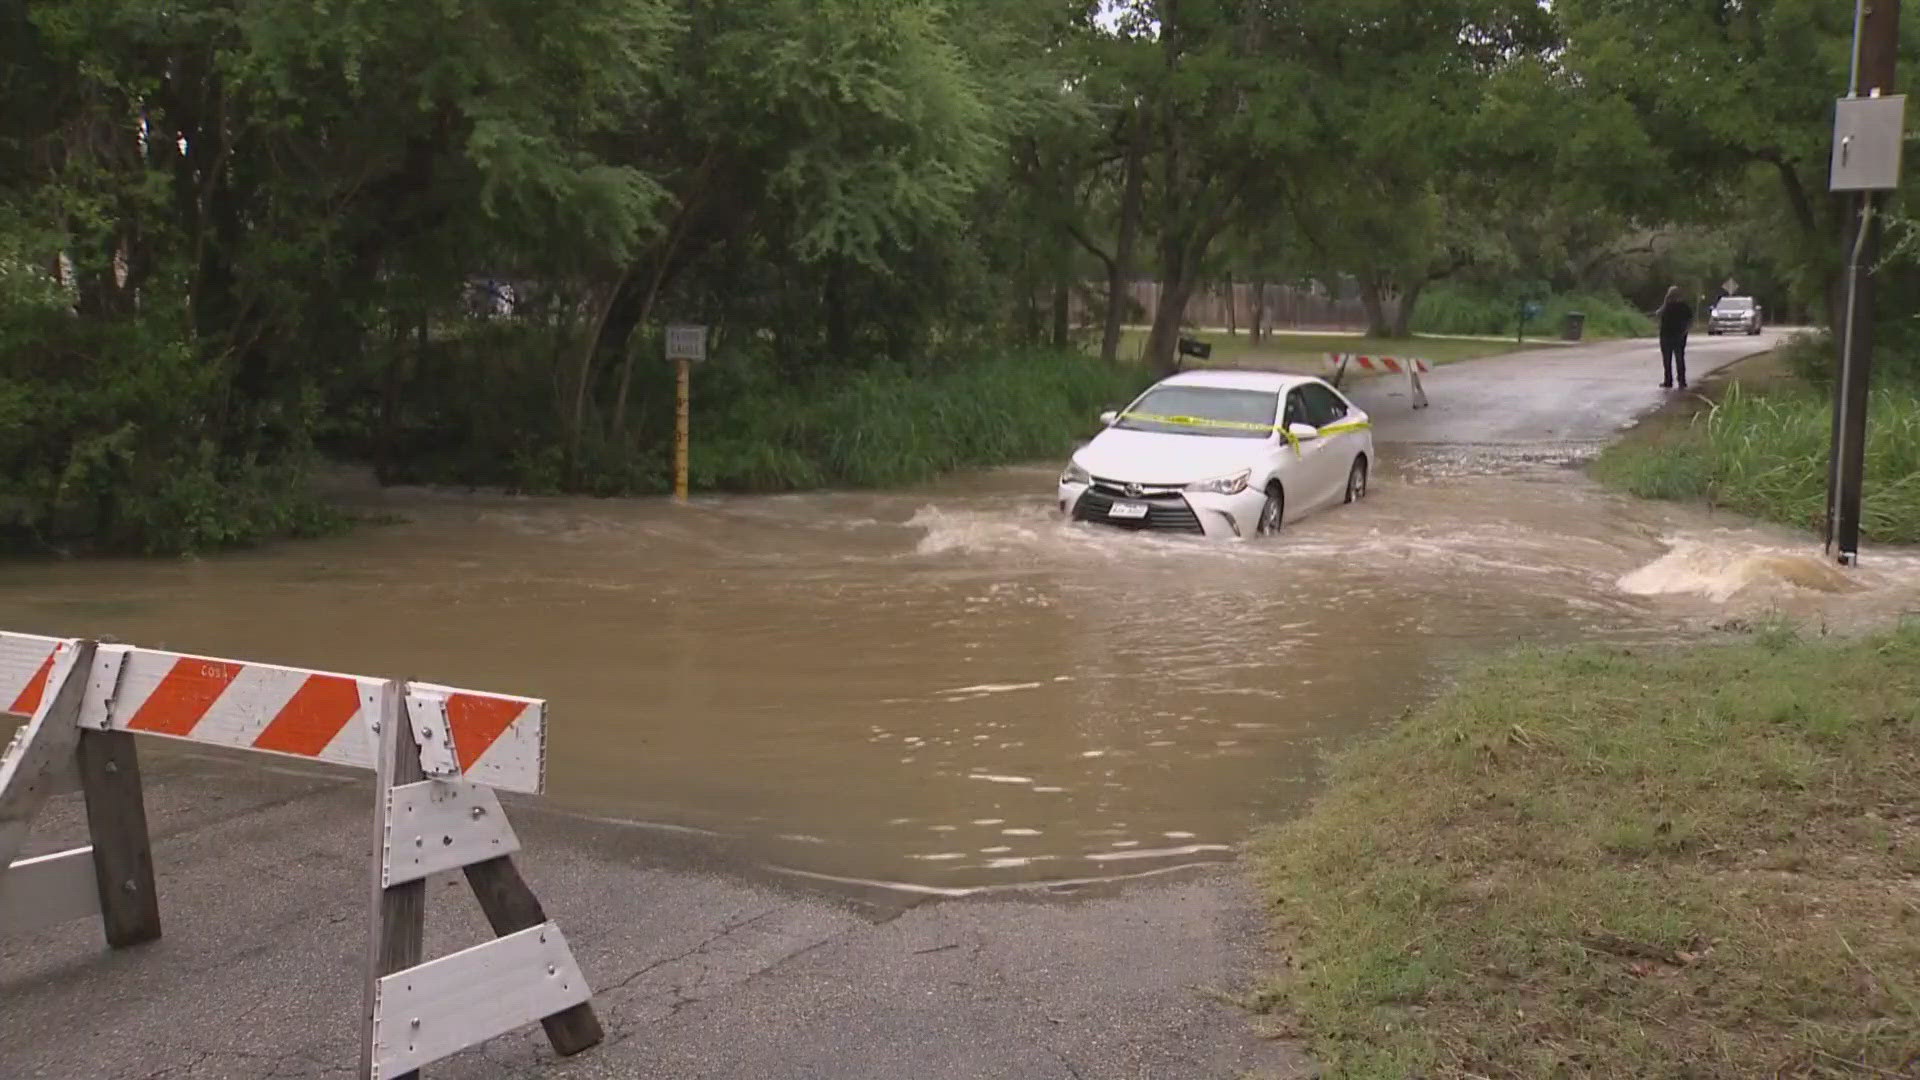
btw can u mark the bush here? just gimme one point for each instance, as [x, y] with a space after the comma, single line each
[1813, 355]
[760, 423]
[893, 425]
[1459, 309]
[108, 440]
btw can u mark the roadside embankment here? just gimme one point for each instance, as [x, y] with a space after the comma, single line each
[1757, 444]
[1693, 861]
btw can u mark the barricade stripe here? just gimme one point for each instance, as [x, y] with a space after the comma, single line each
[29, 700]
[312, 717]
[478, 721]
[183, 696]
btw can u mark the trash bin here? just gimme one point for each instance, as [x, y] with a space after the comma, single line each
[1575, 326]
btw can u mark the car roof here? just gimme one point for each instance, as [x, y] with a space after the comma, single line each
[1228, 379]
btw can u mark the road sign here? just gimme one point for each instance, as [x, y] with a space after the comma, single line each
[686, 342]
[1729, 286]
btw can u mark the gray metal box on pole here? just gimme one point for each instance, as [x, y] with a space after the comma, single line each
[1868, 134]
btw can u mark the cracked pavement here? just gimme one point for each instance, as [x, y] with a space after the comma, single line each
[702, 966]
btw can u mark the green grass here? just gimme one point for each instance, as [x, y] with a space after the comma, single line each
[1306, 353]
[892, 425]
[1765, 455]
[1672, 862]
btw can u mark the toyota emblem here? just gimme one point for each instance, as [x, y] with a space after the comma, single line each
[1134, 491]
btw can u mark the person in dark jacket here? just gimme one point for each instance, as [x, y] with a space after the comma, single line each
[1676, 318]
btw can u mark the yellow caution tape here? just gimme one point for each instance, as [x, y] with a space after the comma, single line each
[1241, 425]
[1198, 421]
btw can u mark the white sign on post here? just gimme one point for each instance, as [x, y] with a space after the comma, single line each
[686, 342]
[1868, 134]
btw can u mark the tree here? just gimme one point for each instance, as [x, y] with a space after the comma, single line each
[1725, 92]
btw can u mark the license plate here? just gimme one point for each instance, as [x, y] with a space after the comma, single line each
[1127, 511]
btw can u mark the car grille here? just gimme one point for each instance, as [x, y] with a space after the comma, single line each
[1167, 511]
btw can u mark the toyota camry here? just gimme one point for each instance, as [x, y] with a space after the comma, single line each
[1223, 454]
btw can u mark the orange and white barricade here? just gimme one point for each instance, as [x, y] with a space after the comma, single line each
[438, 754]
[1413, 367]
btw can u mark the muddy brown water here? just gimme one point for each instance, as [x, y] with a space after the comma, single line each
[948, 688]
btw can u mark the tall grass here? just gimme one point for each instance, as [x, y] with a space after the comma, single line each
[895, 425]
[1454, 309]
[1765, 455]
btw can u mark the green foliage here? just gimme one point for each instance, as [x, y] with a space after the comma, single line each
[1765, 455]
[754, 428]
[1464, 309]
[895, 425]
[266, 217]
[1723, 116]
[105, 439]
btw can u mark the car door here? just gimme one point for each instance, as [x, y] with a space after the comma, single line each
[1309, 476]
[1341, 436]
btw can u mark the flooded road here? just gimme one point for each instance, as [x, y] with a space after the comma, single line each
[949, 688]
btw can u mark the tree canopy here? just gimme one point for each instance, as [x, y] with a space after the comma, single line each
[441, 236]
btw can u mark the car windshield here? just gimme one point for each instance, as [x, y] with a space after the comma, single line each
[1203, 410]
[1736, 303]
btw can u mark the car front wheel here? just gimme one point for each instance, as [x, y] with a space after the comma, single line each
[1357, 480]
[1273, 512]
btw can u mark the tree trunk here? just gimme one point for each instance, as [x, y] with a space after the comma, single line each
[1258, 327]
[1403, 313]
[1120, 269]
[1233, 318]
[387, 450]
[1164, 340]
[627, 361]
[1374, 301]
[839, 317]
[577, 422]
[1062, 315]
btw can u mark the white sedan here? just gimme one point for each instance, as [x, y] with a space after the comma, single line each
[1221, 453]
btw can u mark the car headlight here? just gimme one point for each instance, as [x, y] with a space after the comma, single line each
[1074, 474]
[1225, 485]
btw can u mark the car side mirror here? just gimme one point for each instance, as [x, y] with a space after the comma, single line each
[1109, 418]
[1303, 432]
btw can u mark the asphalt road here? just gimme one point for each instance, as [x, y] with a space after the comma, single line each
[700, 968]
[698, 971]
[1558, 396]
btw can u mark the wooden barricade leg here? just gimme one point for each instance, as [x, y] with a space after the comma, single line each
[122, 852]
[398, 936]
[113, 874]
[1419, 391]
[419, 1012]
[511, 907]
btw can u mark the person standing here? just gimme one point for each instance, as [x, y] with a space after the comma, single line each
[1676, 318]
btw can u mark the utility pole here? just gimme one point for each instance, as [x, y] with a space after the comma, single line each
[1859, 167]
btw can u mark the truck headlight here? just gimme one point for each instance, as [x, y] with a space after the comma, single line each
[1225, 485]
